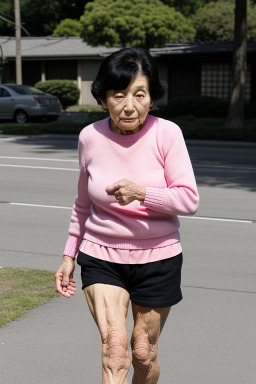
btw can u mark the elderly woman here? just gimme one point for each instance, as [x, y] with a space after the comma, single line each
[135, 178]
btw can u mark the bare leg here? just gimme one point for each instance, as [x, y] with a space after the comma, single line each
[148, 324]
[109, 306]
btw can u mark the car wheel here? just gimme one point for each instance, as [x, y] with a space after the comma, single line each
[20, 117]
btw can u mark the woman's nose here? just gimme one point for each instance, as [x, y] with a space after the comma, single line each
[129, 105]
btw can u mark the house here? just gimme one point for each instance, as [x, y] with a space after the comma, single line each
[187, 69]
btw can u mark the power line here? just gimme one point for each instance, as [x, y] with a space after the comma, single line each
[11, 22]
[8, 16]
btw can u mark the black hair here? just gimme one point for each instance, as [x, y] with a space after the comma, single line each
[118, 69]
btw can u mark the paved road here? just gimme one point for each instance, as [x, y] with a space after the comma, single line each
[209, 335]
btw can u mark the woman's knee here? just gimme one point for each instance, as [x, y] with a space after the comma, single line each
[115, 353]
[144, 351]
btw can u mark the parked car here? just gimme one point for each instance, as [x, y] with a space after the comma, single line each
[22, 103]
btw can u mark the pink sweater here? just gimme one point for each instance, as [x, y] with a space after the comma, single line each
[155, 157]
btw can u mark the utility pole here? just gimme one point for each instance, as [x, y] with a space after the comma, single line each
[1, 62]
[18, 47]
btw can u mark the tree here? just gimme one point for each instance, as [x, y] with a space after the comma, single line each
[215, 22]
[186, 7]
[68, 27]
[39, 17]
[236, 108]
[137, 23]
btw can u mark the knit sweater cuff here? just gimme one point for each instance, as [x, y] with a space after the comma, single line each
[154, 198]
[72, 246]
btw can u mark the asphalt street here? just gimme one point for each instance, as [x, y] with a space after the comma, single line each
[208, 338]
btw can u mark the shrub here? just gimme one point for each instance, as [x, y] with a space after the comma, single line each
[200, 106]
[67, 92]
[250, 110]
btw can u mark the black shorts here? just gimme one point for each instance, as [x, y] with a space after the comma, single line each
[153, 285]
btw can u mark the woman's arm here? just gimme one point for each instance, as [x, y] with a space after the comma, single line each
[180, 197]
[81, 209]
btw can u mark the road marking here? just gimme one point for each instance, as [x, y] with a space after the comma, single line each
[41, 206]
[217, 219]
[182, 217]
[218, 289]
[36, 158]
[34, 167]
[234, 168]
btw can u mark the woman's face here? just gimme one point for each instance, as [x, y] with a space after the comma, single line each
[129, 108]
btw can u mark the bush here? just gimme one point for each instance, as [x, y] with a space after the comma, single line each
[200, 106]
[67, 92]
[250, 110]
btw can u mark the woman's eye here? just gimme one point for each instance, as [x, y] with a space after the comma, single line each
[140, 96]
[119, 97]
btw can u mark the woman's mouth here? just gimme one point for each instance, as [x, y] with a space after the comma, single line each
[129, 120]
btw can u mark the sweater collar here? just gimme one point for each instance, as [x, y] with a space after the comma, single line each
[127, 138]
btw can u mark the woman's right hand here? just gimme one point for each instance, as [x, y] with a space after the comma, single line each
[65, 283]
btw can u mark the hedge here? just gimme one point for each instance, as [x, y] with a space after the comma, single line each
[66, 90]
[201, 106]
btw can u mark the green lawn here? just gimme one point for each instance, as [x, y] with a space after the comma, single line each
[22, 290]
[84, 108]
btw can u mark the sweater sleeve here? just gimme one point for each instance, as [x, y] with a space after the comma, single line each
[81, 209]
[181, 195]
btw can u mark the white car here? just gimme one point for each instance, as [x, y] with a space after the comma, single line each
[22, 103]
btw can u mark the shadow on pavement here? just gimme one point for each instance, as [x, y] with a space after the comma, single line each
[226, 167]
[226, 177]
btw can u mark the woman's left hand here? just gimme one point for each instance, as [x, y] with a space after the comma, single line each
[125, 191]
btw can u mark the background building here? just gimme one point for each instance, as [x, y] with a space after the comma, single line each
[188, 69]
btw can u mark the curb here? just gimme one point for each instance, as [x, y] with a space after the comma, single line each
[190, 143]
[221, 144]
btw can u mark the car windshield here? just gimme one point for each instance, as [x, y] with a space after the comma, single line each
[25, 90]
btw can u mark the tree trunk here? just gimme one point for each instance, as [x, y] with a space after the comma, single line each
[236, 107]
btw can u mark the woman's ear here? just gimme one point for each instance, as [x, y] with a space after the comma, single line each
[152, 104]
[104, 104]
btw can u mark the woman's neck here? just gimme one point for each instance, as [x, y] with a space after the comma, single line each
[124, 132]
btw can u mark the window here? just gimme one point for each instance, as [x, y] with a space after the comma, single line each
[25, 90]
[216, 81]
[4, 93]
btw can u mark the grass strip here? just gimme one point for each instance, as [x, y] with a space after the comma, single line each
[84, 108]
[22, 290]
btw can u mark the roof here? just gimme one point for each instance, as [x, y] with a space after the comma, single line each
[52, 47]
[195, 48]
[75, 48]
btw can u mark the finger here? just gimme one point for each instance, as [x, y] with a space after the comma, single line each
[65, 281]
[58, 280]
[71, 288]
[59, 287]
[63, 291]
[71, 293]
[111, 189]
[117, 194]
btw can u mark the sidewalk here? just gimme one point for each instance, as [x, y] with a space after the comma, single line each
[204, 341]
[194, 143]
